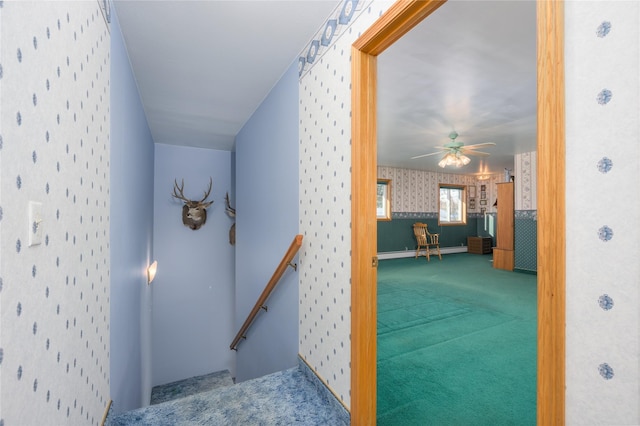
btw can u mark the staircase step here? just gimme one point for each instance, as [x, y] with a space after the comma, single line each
[191, 386]
[282, 398]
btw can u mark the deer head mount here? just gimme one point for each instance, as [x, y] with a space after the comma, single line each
[231, 212]
[194, 213]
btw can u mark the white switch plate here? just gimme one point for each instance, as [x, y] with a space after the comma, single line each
[35, 223]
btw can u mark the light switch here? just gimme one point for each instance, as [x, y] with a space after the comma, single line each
[35, 223]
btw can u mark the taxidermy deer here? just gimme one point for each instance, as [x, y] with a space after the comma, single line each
[194, 213]
[231, 212]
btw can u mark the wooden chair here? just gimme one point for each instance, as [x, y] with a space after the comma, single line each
[426, 241]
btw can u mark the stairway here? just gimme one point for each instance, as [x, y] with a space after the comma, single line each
[192, 386]
[284, 398]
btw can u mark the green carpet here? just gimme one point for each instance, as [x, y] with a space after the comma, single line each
[456, 343]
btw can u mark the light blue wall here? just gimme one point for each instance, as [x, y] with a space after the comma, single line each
[193, 293]
[267, 221]
[131, 234]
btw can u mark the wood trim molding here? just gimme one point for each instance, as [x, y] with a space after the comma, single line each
[397, 21]
[394, 23]
[364, 228]
[105, 416]
[551, 214]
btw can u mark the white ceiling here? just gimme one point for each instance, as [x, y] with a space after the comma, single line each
[469, 67]
[203, 67]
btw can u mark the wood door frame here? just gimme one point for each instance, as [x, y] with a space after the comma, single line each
[393, 24]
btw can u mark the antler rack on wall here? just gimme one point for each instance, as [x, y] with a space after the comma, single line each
[260, 304]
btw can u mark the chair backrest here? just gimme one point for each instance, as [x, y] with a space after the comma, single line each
[420, 231]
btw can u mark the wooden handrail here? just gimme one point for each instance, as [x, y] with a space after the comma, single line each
[286, 261]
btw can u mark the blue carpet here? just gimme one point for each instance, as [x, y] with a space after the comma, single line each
[191, 386]
[283, 398]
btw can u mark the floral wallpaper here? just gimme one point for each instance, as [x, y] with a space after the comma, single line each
[524, 171]
[602, 50]
[416, 191]
[526, 212]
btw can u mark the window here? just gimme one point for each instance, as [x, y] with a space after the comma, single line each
[383, 199]
[452, 205]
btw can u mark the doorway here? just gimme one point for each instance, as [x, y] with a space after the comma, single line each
[398, 20]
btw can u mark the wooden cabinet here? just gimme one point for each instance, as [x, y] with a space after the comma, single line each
[503, 255]
[479, 245]
[503, 259]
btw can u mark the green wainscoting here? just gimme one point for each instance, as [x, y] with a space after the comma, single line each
[397, 234]
[526, 244]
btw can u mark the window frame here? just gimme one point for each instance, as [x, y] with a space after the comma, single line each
[463, 202]
[385, 214]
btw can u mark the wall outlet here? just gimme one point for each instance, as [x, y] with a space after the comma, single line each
[35, 223]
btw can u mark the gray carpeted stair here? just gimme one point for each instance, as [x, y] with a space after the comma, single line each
[288, 397]
[191, 386]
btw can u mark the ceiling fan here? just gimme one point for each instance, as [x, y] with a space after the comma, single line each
[455, 153]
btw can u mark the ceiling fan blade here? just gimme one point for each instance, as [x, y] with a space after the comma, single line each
[427, 155]
[479, 145]
[476, 153]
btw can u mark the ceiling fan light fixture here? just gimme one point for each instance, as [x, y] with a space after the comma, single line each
[454, 159]
[454, 152]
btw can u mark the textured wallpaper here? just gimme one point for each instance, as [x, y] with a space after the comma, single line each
[416, 191]
[54, 150]
[524, 170]
[603, 212]
[325, 191]
[526, 211]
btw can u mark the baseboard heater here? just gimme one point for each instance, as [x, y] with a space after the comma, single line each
[412, 253]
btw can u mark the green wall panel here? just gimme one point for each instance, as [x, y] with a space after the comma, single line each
[526, 245]
[397, 234]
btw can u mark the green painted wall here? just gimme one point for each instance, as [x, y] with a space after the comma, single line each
[526, 244]
[397, 234]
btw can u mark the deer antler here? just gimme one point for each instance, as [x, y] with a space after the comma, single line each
[208, 191]
[230, 210]
[178, 191]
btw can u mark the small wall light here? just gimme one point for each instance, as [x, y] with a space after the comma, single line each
[151, 271]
